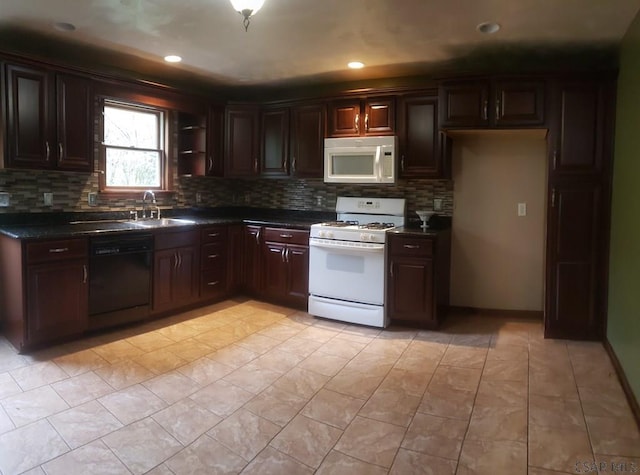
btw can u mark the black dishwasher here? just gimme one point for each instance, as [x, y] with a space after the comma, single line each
[119, 279]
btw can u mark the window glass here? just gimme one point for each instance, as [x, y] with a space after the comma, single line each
[133, 146]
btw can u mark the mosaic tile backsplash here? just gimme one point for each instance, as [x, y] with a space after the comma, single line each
[70, 193]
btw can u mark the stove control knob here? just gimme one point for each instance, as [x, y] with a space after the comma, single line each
[321, 234]
[329, 234]
[373, 237]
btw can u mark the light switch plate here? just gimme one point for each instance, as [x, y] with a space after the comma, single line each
[48, 199]
[5, 199]
[92, 199]
[522, 209]
[437, 204]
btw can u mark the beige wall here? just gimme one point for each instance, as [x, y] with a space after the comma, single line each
[497, 257]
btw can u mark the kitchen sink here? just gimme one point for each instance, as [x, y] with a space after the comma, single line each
[162, 222]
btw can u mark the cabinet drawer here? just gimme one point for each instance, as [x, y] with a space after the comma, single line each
[176, 239]
[213, 282]
[411, 246]
[292, 236]
[213, 255]
[213, 234]
[56, 250]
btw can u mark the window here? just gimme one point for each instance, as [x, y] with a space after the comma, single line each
[134, 156]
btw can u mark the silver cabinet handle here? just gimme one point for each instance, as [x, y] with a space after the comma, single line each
[286, 236]
[553, 197]
[498, 109]
[286, 255]
[485, 110]
[48, 149]
[255, 165]
[391, 269]
[58, 250]
[555, 159]
[211, 284]
[213, 256]
[357, 123]
[402, 164]
[60, 150]
[282, 254]
[214, 234]
[411, 246]
[210, 167]
[293, 165]
[84, 274]
[258, 237]
[366, 122]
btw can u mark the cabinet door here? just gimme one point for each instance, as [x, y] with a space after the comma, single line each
[215, 139]
[379, 116]
[235, 258]
[74, 147]
[164, 263]
[57, 300]
[411, 290]
[275, 270]
[344, 119]
[252, 260]
[185, 281]
[30, 118]
[575, 282]
[241, 141]
[518, 103]
[307, 141]
[275, 142]
[297, 258]
[464, 104]
[577, 135]
[418, 136]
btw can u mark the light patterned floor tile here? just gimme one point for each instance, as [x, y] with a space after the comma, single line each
[132, 404]
[273, 462]
[206, 456]
[83, 388]
[337, 463]
[85, 423]
[186, 420]
[332, 408]
[38, 374]
[93, 458]
[417, 463]
[32, 405]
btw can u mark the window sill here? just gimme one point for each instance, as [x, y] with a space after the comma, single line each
[128, 194]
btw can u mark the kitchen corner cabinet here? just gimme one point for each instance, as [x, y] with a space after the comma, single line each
[45, 290]
[49, 119]
[200, 137]
[286, 266]
[242, 149]
[418, 279]
[307, 140]
[495, 103]
[357, 117]
[175, 269]
[424, 152]
[214, 256]
[581, 149]
[274, 143]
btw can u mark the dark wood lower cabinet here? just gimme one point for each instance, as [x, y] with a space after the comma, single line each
[418, 277]
[251, 264]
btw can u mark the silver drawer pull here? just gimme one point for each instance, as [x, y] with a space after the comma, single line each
[213, 283]
[214, 234]
[213, 256]
[286, 236]
[58, 250]
[411, 246]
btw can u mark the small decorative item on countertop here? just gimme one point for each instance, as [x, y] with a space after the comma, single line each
[425, 215]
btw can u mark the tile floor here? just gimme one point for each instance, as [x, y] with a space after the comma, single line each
[247, 387]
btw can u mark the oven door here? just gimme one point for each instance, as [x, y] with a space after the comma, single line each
[347, 271]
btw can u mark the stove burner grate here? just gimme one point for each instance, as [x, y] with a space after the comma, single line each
[376, 226]
[339, 224]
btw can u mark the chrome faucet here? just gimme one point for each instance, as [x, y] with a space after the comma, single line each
[153, 201]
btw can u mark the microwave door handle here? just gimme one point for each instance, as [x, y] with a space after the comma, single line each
[378, 163]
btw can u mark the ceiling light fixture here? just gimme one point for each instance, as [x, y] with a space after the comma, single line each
[488, 27]
[355, 65]
[247, 8]
[172, 58]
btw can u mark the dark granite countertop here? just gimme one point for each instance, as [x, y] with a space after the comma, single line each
[418, 231]
[59, 225]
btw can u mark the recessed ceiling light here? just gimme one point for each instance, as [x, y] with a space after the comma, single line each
[172, 58]
[356, 65]
[488, 27]
[63, 26]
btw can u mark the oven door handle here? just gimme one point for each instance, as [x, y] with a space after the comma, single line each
[350, 249]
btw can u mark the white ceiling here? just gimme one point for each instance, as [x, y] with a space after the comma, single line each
[294, 40]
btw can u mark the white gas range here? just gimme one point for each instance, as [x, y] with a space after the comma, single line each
[347, 260]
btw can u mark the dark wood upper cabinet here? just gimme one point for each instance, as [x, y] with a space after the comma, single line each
[307, 140]
[242, 141]
[49, 119]
[356, 117]
[423, 150]
[275, 142]
[215, 141]
[577, 138]
[192, 143]
[492, 103]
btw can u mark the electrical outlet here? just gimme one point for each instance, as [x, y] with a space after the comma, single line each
[198, 197]
[5, 199]
[48, 199]
[522, 209]
[437, 204]
[92, 198]
[319, 200]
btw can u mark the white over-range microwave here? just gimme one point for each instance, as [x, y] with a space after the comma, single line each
[360, 160]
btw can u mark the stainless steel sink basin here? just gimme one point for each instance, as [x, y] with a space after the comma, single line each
[162, 222]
